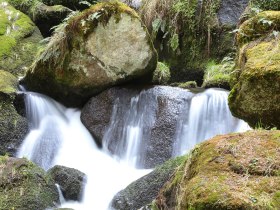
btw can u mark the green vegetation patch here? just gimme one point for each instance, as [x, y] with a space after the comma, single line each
[218, 74]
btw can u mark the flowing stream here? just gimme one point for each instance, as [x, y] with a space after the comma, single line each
[57, 137]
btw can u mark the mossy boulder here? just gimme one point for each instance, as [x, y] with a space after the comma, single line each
[19, 40]
[13, 126]
[235, 171]
[103, 46]
[25, 186]
[261, 25]
[70, 180]
[255, 97]
[44, 16]
[144, 190]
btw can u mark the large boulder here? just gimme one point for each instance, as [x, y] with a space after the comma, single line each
[70, 180]
[19, 40]
[144, 190]
[25, 186]
[255, 97]
[13, 126]
[44, 16]
[235, 171]
[110, 115]
[103, 46]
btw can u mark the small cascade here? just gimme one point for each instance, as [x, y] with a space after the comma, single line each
[57, 136]
[129, 125]
[61, 197]
[207, 115]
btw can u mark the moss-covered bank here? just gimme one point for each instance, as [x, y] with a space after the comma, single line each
[235, 171]
[25, 186]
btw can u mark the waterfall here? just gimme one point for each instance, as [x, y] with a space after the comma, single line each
[207, 115]
[57, 137]
[130, 125]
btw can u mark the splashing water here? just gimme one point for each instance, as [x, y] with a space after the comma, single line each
[207, 115]
[57, 137]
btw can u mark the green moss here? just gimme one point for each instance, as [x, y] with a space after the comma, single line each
[218, 74]
[8, 83]
[6, 45]
[161, 74]
[4, 23]
[15, 28]
[208, 180]
[254, 97]
[187, 85]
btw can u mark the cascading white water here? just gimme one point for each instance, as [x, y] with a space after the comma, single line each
[57, 137]
[207, 116]
[129, 127]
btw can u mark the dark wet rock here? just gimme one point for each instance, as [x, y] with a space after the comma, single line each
[13, 126]
[158, 125]
[25, 186]
[70, 181]
[231, 10]
[144, 190]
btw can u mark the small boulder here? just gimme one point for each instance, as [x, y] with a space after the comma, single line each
[235, 171]
[103, 46]
[25, 186]
[109, 116]
[70, 180]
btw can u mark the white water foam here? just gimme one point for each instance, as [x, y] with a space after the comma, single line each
[59, 138]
